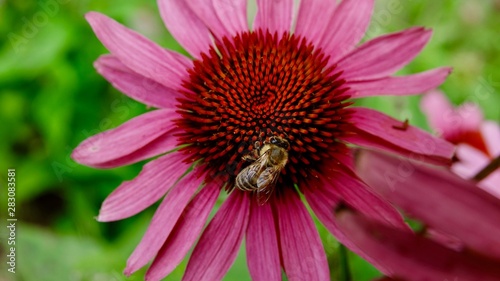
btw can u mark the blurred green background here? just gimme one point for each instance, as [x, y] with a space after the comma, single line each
[51, 99]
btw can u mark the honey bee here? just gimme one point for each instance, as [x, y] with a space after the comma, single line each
[263, 173]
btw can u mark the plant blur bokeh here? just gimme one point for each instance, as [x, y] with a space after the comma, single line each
[51, 99]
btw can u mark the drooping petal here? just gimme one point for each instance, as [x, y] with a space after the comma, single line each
[322, 203]
[274, 15]
[138, 53]
[346, 27]
[133, 196]
[308, 24]
[377, 130]
[491, 136]
[164, 220]
[127, 138]
[207, 13]
[445, 239]
[263, 255]
[233, 14]
[438, 198]
[135, 85]
[400, 85]
[185, 233]
[428, 259]
[185, 26]
[301, 249]
[384, 55]
[160, 145]
[219, 244]
[354, 192]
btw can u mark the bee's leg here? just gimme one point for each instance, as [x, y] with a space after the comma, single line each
[254, 154]
[256, 145]
[248, 158]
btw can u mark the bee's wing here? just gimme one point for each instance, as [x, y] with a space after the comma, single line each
[246, 179]
[266, 183]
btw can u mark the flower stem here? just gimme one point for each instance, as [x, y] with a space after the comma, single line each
[486, 171]
[345, 272]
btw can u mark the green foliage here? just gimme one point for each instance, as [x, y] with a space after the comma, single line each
[51, 99]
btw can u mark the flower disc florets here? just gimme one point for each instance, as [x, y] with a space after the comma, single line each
[257, 85]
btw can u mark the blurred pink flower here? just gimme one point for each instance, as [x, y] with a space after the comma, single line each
[244, 85]
[478, 141]
[459, 210]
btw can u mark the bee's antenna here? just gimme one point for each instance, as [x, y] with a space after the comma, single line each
[286, 135]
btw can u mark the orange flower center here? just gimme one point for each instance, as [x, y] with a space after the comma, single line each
[255, 86]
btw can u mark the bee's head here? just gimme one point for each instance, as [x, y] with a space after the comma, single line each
[279, 141]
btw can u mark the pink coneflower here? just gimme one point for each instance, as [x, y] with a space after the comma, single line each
[478, 141]
[242, 88]
[459, 210]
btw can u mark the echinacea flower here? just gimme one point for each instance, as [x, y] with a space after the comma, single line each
[459, 209]
[477, 140]
[242, 87]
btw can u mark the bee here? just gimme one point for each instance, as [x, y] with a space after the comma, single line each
[263, 173]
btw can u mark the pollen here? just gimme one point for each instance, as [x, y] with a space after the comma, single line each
[257, 85]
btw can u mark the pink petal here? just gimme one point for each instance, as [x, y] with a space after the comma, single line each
[322, 202]
[383, 55]
[219, 244]
[185, 233]
[301, 249]
[308, 24]
[185, 26]
[377, 130]
[160, 145]
[274, 15]
[164, 220]
[491, 184]
[133, 196]
[346, 27]
[206, 12]
[445, 239]
[127, 138]
[472, 116]
[400, 85]
[413, 257]
[445, 119]
[491, 135]
[437, 197]
[263, 255]
[345, 157]
[135, 85]
[471, 161]
[340, 186]
[436, 107]
[233, 13]
[346, 185]
[138, 53]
